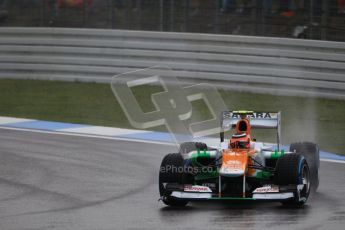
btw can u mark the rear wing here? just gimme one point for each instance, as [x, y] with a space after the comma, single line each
[257, 120]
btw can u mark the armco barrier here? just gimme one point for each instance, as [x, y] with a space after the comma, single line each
[256, 64]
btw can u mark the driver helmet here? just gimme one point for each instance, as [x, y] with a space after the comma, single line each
[240, 140]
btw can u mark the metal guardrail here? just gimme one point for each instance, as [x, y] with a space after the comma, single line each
[255, 64]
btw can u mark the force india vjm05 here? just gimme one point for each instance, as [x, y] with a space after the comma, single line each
[240, 168]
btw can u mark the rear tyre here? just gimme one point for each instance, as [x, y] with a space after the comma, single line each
[292, 169]
[311, 152]
[187, 147]
[171, 172]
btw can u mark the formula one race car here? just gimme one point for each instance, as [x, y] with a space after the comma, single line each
[240, 168]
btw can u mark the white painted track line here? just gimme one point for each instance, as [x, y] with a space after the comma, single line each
[87, 135]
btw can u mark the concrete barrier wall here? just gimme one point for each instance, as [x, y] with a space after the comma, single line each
[255, 64]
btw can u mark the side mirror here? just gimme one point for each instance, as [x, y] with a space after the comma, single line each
[221, 134]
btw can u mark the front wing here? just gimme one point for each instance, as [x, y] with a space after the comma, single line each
[196, 192]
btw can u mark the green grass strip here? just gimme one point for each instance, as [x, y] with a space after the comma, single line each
[303, 119]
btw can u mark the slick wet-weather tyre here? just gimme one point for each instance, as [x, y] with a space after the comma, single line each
[292, 169]
[311, 152]
[171, 172]
[187, 147]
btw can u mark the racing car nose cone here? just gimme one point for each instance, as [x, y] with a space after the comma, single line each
[230, 172]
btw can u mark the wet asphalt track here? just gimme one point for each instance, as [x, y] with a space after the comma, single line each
[50, 181]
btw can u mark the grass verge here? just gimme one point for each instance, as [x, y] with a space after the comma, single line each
[303, 119]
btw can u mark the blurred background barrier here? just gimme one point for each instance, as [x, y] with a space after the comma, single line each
[245, 63]
[305, 19]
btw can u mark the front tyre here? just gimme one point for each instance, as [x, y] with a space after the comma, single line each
[311, 152]
[293, 169]
[171, 172]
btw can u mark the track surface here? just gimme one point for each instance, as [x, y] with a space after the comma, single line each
[50, 181]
